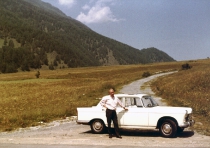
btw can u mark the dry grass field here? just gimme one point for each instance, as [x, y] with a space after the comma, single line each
[28, 101]
[189, 88]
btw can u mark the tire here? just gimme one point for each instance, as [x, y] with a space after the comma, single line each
[168, 128]
[97, 126]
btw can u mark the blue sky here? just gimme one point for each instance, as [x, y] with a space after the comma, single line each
[181, 28]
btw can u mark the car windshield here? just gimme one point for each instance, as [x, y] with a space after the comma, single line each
[148, 101]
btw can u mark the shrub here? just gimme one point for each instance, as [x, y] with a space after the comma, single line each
[51, 67]
[37, 74]
[146, 74]
[186, 66]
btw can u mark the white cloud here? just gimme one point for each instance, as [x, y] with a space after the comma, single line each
[86, 7]
[67, 2]
[100, 12]
[100, 2]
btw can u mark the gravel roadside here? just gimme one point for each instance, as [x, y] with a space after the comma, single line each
[67, 133]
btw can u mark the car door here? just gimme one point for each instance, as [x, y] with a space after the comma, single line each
[136, 115]
[120, 112]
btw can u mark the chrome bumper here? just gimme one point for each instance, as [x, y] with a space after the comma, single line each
[188, 123]
[83, 122]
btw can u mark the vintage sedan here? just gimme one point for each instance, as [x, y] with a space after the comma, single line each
[143, 113]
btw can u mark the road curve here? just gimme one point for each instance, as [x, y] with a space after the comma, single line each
[135, 87]
[143, 86]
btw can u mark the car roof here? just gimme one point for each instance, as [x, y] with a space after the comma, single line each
[130, 95]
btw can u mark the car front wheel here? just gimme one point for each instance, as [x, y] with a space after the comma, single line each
[97, 126]
[168, 128]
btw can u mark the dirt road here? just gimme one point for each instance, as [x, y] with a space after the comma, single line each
[143, 86]
[66, 133]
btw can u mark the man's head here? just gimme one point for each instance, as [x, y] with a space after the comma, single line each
[111, 92]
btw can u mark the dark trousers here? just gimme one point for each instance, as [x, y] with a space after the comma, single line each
[111, 115]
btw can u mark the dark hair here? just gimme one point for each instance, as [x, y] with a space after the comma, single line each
[112, 88]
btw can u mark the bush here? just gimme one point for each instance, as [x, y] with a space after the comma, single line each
[186, 66]
[146, 74]
[51, 67]
[37, 74]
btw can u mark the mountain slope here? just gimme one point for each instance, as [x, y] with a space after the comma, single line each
[33, 29]
[156, 55]
[46, 6]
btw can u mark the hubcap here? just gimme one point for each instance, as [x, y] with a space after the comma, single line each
[167, 128]
[98, 125]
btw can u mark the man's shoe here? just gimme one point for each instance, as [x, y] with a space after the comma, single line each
[110, 136]
[119, 137]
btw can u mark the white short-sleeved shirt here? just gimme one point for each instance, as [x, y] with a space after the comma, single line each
[111, 103]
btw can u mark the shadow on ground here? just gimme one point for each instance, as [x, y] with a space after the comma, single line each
[148, 133]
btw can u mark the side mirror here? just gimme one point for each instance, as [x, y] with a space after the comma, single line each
[149, 105]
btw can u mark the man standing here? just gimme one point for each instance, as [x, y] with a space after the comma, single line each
[110, 103]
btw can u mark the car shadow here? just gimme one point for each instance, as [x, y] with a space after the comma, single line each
[185, 134]
[147, 133]
[153, 133]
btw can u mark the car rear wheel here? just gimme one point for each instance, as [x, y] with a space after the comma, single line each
[97, 126]
[168, 128]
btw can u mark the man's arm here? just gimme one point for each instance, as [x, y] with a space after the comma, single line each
[121, 104]
[103, 102]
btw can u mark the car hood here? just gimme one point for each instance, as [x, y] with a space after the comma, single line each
[169, 109]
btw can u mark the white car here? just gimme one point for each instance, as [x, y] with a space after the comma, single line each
[143, 113]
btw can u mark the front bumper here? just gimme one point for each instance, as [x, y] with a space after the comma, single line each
[83, 122]
[188, 123]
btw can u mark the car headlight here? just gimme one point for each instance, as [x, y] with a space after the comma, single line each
[188, 117]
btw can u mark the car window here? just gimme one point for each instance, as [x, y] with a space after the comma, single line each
[129, 101]
[147, 102]
[120, 98]
[133, 102]
[138, 102]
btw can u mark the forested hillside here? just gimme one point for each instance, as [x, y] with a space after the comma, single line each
[31, 31]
